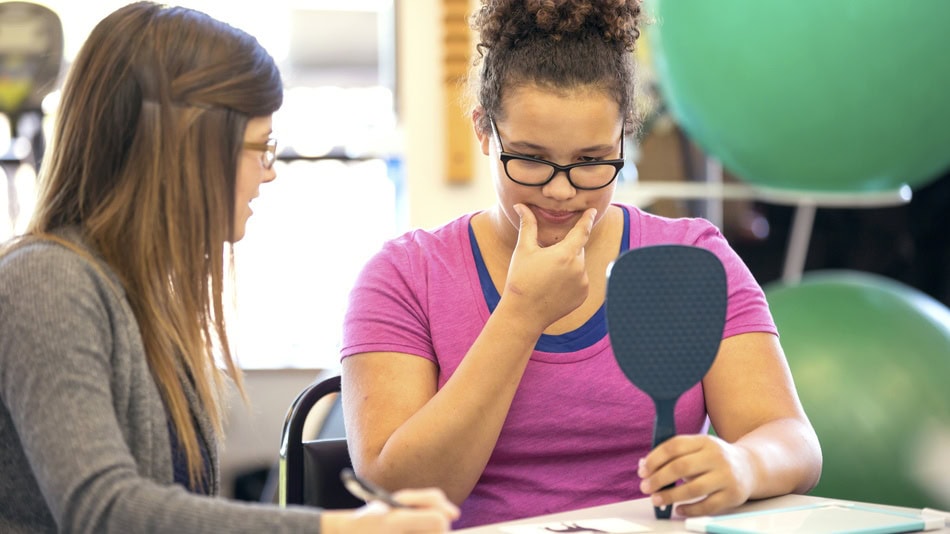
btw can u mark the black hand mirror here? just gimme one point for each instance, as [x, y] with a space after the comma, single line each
[666, 310]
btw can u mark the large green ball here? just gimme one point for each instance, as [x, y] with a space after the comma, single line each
[871, 362]
[826, 95]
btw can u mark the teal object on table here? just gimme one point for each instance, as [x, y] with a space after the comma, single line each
[871, 361]
[820, 95]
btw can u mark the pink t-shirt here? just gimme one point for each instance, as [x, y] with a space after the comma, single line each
[577, 426]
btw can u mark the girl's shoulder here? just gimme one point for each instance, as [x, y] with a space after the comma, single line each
[651, 229]
[56, 263]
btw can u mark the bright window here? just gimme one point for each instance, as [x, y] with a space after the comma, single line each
[337, 196]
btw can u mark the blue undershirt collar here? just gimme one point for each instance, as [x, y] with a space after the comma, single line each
[586, 335]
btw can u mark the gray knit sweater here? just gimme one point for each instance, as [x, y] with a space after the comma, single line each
[84, 442]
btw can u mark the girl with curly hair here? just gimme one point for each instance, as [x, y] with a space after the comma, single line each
[476, 357]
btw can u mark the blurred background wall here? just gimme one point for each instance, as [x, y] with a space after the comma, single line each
[375, 140]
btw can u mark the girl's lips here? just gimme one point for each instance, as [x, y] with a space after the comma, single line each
[555, 217]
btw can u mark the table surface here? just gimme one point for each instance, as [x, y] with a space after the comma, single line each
[640, 511]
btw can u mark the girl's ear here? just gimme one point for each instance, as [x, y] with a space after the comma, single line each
[484, 136]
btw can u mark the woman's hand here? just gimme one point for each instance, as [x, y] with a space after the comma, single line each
[765, 445]
[547, 283]
[429, 511]
[716, 475]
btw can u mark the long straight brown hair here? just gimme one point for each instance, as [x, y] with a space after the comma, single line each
[143, 161]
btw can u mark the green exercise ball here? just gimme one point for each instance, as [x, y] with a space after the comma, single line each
[871, 361]
[823, 95]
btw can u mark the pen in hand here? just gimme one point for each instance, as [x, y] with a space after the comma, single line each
[363, 489]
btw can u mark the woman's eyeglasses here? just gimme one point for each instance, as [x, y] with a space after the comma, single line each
[268, 151]
[536, 172]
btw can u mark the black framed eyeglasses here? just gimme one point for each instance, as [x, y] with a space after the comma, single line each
[268, 151]
[536, 172]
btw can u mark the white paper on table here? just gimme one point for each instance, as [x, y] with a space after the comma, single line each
[608, 525]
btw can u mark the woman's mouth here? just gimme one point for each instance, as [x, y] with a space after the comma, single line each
[554, 216]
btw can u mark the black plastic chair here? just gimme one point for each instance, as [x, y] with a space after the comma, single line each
[309, 470]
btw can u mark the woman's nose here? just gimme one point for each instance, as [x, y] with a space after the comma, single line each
[559, 187]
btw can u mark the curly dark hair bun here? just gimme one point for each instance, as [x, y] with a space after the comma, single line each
[556, 44]
[502, 23]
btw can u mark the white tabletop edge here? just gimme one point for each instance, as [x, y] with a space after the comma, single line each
[640, 511]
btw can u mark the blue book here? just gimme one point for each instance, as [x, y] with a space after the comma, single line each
[823, 518]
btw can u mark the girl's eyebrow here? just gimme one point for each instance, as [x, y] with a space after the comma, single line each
[523, 146]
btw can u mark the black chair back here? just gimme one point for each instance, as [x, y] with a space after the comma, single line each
[309, 471]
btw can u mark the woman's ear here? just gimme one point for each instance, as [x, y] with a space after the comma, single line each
[484, 136]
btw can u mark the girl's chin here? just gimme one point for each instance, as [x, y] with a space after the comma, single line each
[546, 239]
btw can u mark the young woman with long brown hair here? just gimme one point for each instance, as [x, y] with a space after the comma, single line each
[112, 323]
